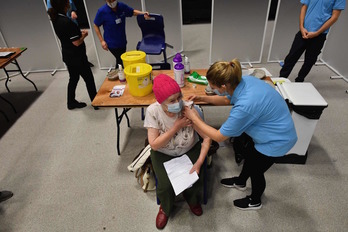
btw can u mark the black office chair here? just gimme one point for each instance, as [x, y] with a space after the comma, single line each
[153, 41]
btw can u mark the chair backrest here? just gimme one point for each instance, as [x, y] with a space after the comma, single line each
[152, 26]
[200, 111]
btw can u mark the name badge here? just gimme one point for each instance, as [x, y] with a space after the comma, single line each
[118, 21]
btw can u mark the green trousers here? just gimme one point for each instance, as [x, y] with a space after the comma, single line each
[165, 191]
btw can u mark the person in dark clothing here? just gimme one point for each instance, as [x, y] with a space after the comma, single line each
[73, 51]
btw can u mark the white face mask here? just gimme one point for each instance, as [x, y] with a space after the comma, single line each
[175, 107]
[112, 4]
[220, 94]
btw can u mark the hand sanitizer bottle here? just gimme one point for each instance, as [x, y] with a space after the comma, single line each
[187, 65]
[121, 73]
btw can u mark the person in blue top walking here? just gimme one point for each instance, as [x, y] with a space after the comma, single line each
[112, 16]
[260, 112]
[316, 18]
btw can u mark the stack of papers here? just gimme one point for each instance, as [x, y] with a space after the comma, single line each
[6, 54]
[178, 170]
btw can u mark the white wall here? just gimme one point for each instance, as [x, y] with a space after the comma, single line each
[238, 30]
[26, 24]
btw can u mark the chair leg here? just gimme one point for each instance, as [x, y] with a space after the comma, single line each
[165, 56]
[205, 182]
[158, 201]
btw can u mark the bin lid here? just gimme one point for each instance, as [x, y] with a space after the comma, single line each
[303, 94]
[132, 56]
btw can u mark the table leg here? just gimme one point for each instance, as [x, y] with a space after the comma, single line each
[20, 71]
[7, 79]
[118, 122]
[142, 114]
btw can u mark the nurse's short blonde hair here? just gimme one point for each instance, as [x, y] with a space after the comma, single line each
[223, 73]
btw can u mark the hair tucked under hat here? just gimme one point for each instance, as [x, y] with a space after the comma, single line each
[164, 86]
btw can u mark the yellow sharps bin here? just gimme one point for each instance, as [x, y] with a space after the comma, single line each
[139, 79]
[133, 57]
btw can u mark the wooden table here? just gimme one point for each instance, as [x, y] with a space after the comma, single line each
[12, 59]
[127, 101]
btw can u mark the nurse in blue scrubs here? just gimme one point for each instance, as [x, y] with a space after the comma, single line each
[260, 112]
[112, 16]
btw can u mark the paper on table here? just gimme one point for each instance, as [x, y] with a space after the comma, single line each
[178, 170]
[6, 54]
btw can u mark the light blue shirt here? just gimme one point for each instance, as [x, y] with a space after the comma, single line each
[319, 11]
[260, 111]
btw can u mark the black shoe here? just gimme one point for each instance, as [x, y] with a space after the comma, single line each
[90, 64]
[232, 183]
[247, 204]
[96, 107]
[76, 105]
[5, 195]
[299, 79]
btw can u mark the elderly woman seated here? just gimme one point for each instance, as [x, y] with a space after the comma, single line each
[171, 135]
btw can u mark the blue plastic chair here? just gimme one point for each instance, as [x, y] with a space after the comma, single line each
[153, 41]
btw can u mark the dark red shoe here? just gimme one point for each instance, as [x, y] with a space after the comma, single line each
[196, 209]
[161, 219]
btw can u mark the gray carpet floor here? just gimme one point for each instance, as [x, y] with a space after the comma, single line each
[66, 176]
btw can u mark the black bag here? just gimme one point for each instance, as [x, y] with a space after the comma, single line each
[240, 145]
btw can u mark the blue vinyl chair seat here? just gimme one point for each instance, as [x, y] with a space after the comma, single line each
[153, 37]
[152, 45]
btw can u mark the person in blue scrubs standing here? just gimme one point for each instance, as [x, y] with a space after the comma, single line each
[112, 16]
[316, 18]
[260, 112]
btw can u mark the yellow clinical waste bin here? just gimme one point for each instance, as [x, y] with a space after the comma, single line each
[133, 57]
[139, 79]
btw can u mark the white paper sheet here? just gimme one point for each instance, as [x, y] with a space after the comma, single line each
[6, 54]
[178, 170]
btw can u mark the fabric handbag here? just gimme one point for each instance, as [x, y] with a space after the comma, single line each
[142, 167]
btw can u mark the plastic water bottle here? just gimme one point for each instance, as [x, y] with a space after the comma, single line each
[187, 65]
[177, 59]
[179, 74]
[121, 74]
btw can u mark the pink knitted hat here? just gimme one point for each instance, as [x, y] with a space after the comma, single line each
[164, 86]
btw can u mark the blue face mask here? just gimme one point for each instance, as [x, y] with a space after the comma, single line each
[175, 107]
[220, 94]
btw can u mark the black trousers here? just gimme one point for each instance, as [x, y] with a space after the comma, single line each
[255, 165]
[83, 70]
[313, 49]
[117, 52]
